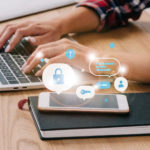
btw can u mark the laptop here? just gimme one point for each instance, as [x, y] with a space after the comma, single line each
[11, 76]
[10, 9]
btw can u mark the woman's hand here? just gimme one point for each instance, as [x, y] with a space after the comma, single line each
[56, 51]
[77, 20]
[39, 32]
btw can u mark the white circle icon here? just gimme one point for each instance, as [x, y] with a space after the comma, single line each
[121, 84]
[58, 77]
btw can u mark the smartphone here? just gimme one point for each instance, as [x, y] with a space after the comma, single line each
[113, 103]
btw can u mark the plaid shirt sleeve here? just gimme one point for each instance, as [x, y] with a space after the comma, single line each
[113, 13]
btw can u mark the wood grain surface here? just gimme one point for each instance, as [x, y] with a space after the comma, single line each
[17, 130]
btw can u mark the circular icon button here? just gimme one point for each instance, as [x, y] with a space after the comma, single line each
[70, 54]
[121, 84]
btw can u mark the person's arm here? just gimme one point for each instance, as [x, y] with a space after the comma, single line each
[89, 15]
[137, 65]
[77, 20]
[110, 14]
[80, 19]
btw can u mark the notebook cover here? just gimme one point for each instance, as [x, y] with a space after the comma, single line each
[139, 115]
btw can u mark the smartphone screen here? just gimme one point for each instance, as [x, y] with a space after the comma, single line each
[69, 100]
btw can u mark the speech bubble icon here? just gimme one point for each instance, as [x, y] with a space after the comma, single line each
[104, 67]
[85, 92]
[59, 77]
[121, 84]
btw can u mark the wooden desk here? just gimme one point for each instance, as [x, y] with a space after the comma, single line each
[16, 127]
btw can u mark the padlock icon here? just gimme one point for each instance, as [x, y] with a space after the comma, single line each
[58, 76]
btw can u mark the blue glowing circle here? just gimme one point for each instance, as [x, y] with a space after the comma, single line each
[112, 45]
[70, 54]
[42, 60]
[106, 100]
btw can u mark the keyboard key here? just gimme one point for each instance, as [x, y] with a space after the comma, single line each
[13, 82]
[28, 46]
[6, 44]
[20, 64]
[10, 78]
[33, 79]
[16, 57]
[4, 55]
[2, 50]
[36, 69]
[19, 60]
[4, 47]
[2, 79]
[23, 80]
[25, 51]
[2, 63]
[14, 52]
[3, 67]
[7, 74]
[42, 64]
[12, 65]
[25, 57]
[18, 73]
[30, 74]
[5, 71]
[21, 50]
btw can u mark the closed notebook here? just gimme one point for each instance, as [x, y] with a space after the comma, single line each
[54, 125]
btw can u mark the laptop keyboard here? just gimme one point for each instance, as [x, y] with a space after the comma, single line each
[11, 63]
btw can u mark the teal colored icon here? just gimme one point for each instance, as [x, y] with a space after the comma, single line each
[84, 91]
[112, 45]
[103, 85]
[58, 76]
[70, 54]
[106, 100]
[121, 84]
[42, 60]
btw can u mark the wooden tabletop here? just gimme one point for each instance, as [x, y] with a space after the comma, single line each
[17, 130]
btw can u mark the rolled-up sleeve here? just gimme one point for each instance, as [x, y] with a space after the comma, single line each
[114, 13]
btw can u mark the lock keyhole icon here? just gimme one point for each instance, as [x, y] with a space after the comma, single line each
[58, 76]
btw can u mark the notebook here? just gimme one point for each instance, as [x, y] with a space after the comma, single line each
[56, 125]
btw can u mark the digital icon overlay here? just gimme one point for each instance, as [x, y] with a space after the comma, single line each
[59, 77]
[112, 45]
[70, 54]
[42, 59]
[106, 100]
[103, 85]
[121, 84]
[104, 67]
[85, 92]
